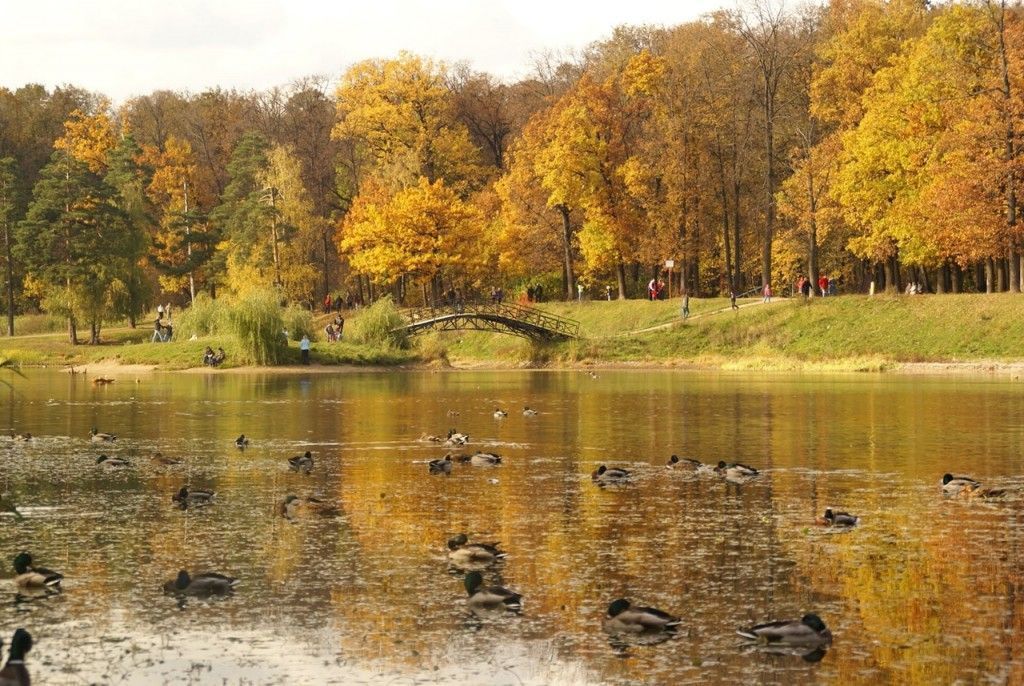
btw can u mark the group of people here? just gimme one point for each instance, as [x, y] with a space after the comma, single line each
[162, 331]
[497, 295]
[335, 304]
[915, 288]
[826, 286]
[655, 289]
[212, 359]
[534, 294]
[335, 329]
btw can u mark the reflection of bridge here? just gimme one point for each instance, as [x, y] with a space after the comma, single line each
[528, 322]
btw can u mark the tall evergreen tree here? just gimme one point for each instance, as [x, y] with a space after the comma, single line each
[8, 206]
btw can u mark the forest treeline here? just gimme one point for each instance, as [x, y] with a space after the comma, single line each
[869, 140]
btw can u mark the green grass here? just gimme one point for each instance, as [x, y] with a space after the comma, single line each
[847, 332]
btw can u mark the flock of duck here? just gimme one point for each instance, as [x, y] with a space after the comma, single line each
[807, 635]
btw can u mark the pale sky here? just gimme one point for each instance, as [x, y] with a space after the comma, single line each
[130, 47]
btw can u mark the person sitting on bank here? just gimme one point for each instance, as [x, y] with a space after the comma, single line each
[331, 335]
[218, 358]
[208, 357]
[339, 327]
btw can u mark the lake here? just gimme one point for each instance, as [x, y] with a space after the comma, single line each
[925, 590]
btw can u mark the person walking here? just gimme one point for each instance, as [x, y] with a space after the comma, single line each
[823, 285]
[304, 349]
[732, 300]
[767, 293]
[579, 291]
[686, 305]
[652, 286]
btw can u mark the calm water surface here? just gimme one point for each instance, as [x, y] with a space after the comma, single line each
[925, 591]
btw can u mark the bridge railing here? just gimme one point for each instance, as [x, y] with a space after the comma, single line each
[529, 315]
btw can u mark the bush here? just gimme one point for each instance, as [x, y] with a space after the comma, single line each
[299, 322]
[205, 317]
[257, 323]
[381, 324]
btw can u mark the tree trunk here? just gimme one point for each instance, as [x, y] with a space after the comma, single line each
[1000, 275]
[724, 197]
[941, 278]
[10, 280]
[72, 331]
[570, 280]
[1013, 262]
[955, 278]
[989, 276]
[890, 279]
[769, 220]
[327, 278]
[620, 273]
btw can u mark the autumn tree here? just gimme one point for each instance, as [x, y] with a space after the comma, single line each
[8, 207]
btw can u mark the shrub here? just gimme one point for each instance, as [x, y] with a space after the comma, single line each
[380, 324]
[299, 322]
[257, 323]
[204, 317]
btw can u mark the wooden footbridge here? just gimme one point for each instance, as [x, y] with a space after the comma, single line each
[517, 320]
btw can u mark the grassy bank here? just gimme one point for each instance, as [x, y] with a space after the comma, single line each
[848, 332]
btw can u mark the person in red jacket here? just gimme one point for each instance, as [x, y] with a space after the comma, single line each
[823, 285]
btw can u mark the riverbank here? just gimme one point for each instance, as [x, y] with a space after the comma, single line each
[913, 334]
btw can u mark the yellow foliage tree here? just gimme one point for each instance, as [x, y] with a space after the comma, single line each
[88, 139]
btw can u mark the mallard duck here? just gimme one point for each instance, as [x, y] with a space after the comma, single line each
[443, 466]
[14, 672]
[809, 630]
[528, 412]
[160, 458]
[499, 413]
[462, 552]
[112, 462]
[625, 618]
[456, 439]
[241, 442]
[209, 583]
[481, 459]
[294, 506]
[490, 597]
[98, 437]
[301, 463]
[192, 496]
[605, 475]
[21, 438]
[735, 471]
[839, 519]
[687, 463]
[26, 575]
[966, 487]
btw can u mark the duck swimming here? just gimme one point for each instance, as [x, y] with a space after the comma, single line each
[98, 437]
[623, 617]
[499, 413]
[687, 463]
[966, 487]
[26, 575]
[21, 438]
[207, 584]
[14, 672]
[735, 471]
[490, 597]
[456, 439]
[461, 552]
[614, 475]
[838, 519]
[160, 458]
[241, 442]
[809, 630]
[301, 463]
[482, 459]
[112, 462]
[443, 466]
[527, 412]
[294, 506]
[188, 496]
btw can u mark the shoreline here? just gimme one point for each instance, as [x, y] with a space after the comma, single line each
[1014, 369]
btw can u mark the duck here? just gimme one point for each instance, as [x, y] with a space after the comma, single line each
[241, 442]
[482, 459]
[966, 487]
[294, 506]
[101, 381]
[490, 597]
[206, 584]
[462, 552]
[98, 437]
[529, 412]
[604, 475]
[499, 413]
[623, 617]
[456, 439]
[21, 438]
[839, 519]
[192, 496]
[160, 458]
[808, 630]
[443, 466]
[430, 438]
[14, 672]
[735, 471]
[301, 463]
[27, 575]
[687, 463]
[112, 462]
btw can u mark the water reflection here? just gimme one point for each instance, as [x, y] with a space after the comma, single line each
[924, 589]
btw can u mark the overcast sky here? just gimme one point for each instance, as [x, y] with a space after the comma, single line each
[129, 47]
